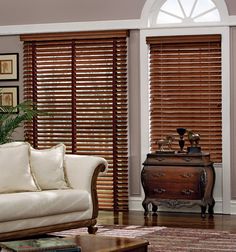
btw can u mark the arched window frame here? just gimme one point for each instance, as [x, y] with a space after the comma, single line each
[152, 8]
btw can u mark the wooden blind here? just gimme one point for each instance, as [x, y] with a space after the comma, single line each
[185, 89]
[80, 81]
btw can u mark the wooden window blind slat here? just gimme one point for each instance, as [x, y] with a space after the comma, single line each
[80, 80]
[185, 89]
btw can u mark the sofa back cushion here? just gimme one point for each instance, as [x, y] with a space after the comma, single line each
[48, 167]
[15, 169]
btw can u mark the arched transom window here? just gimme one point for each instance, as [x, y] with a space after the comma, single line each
[181, 11]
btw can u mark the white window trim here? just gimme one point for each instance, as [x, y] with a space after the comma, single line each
[145, 144]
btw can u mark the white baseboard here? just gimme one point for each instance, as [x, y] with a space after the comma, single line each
[135, 203]
[233, 206]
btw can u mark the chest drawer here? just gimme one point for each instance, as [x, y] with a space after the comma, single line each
[168, 190]
[178, 159]
[173, 174]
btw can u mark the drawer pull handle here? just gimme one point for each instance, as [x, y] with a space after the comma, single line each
[187, 191]
[159, 174]
[160, 158]
[159, 190]
[187, 159]
[187, 175]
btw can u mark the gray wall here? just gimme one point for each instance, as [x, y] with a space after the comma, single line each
[231, 4]
[58, 11]
[12, 44]
[134, 113]
[18, 12]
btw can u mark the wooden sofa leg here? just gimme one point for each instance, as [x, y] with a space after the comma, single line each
[92, 229]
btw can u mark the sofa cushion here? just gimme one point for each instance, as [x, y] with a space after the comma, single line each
[48, 167]
[49, 220]
[15, 169]
[25, 205]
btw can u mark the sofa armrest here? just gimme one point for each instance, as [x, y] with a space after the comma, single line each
[80, 170]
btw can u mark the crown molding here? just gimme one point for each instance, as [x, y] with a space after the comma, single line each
[70, 27]
[95, 26]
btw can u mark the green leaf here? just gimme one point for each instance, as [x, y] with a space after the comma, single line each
[10, 121]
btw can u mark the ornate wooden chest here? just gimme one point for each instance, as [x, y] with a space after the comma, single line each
[178, 180]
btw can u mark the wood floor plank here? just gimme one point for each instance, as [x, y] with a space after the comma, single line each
[169, 219]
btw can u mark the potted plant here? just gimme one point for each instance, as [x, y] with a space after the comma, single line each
[10, 120]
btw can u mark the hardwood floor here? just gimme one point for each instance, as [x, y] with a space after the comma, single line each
[169, 219]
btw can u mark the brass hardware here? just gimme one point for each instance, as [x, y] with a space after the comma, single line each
[159, 174]
[187, 159]
[159, 190]
[160, 159]
[187, 175]
[187, 191]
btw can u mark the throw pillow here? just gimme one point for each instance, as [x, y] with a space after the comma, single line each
[15, 169]
[48, 167]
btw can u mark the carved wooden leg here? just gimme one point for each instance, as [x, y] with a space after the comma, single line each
[92, 229]
[203, 212]
[145, 206]
[211, 208]
[154, 208]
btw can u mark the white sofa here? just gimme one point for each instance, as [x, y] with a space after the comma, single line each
[29, 211]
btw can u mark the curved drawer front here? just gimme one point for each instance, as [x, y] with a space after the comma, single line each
[175, 191]
[177, 175]
[179, 159]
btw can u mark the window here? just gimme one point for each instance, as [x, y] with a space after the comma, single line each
[179, 11]
[80, 81]
[185, 89]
